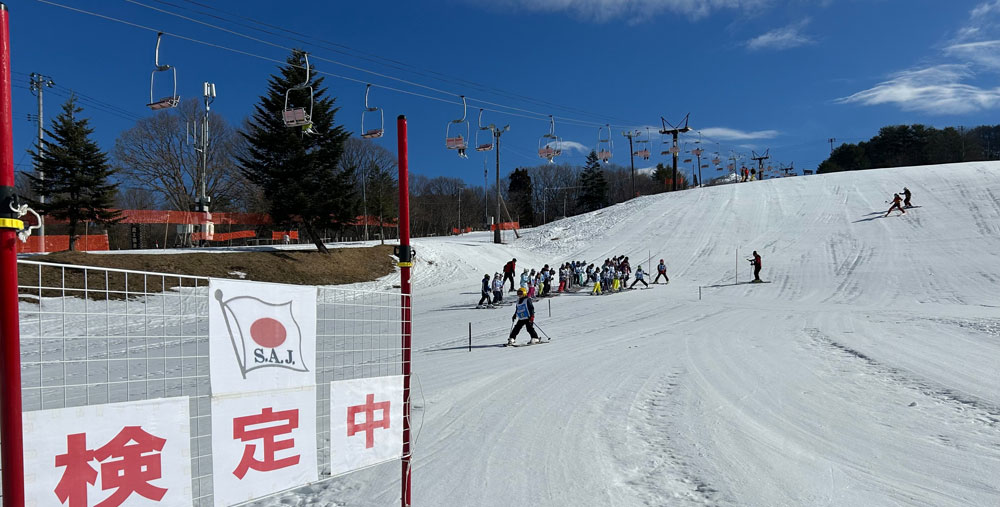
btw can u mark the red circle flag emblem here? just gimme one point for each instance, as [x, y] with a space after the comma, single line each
[268, 332]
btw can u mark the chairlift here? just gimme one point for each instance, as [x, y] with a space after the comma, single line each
[486, 130]
[171, 100]
[550, 145]
[672, 150]
[642, 150]
[298, 116]
[456, 141]
[604, 143]
[375, 132]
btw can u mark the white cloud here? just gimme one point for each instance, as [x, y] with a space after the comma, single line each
[937, 89]
[567, 146]
[985, 53]
[635, 11]
[728, 134]
[787, 37]
[945, 88]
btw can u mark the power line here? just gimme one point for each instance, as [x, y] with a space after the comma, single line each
[349, 66]
[522, 113]
[370, 57]
[537, 115]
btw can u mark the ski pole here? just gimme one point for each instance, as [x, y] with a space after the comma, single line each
[543, 332]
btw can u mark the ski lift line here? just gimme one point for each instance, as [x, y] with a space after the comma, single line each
[335, 62]
[98, 107]
[417, 70]
[537, 116]
[396, 64]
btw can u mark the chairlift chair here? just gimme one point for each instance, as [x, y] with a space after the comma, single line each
[453, 139]
[642, 150]
[375, 132]
[486, 130]
[298, 116]
[549, 145]
[171, 100]
[604, 143]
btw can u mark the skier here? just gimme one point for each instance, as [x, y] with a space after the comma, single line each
[638, 277]
[508, 273]
[756, 267]
[597, 283]
[524, 314]
[896, 204]
[906, 201]
[524, 279]
[498, 284]
[484, 302]
[661, 270]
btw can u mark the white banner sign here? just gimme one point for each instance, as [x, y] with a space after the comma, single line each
[134, 453]
[262, 336]
[366, 422]
[263, 443]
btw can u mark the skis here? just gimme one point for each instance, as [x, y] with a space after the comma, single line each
[526, 344]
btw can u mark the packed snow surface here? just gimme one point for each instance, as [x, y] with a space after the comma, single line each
[866, 373]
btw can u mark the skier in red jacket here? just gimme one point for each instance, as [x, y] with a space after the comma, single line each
[508, 274]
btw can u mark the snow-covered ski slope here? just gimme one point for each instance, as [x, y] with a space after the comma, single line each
[867, 373]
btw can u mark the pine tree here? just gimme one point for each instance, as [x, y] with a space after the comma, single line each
[520, 192]
[594, 194]
[77, 186]
[298, 170]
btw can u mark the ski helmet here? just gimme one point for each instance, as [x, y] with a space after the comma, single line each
[522, 292]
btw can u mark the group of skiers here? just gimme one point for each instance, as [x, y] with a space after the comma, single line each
[609, 277]
[748, 174]
[896, 200]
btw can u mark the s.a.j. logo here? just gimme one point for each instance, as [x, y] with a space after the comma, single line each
[264, 334]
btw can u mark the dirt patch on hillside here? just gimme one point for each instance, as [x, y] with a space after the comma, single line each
[340, 266]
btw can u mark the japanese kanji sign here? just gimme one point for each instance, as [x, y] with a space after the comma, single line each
[262, 336]
[135, 453]
[263, 443]
[366, 422]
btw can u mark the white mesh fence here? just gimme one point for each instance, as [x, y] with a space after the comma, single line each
[95, 335]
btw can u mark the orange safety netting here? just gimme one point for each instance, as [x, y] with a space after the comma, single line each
[59, 243]
[280, 235]
[506, 226]
[224, 236]
[454, 230]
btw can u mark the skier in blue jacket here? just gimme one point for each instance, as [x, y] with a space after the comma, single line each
[524, 314]
[484, 302]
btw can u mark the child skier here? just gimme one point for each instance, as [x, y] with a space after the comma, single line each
[498, 284]
[638, 277]
[525, 279]
[896, 204]
[597, 283]
[484, 302]
[661, 270]
[524, 314]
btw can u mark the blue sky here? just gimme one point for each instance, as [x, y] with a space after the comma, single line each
[754, 74]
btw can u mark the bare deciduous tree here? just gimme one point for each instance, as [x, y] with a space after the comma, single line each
[155, 155]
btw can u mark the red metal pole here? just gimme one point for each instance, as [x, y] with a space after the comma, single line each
[12, 448]
[405, 256]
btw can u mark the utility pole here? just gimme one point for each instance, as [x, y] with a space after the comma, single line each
[631, 156]
[202, 201]
[831, 141]
[38, 84]
[697, 153]
[497, 132]
[760, 162]
[675, 131]
[486, 194]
